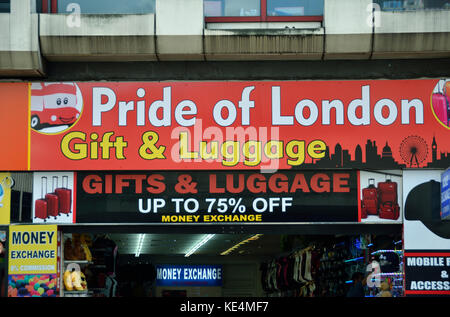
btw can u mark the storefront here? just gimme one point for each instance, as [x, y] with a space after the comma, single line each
[294, 185]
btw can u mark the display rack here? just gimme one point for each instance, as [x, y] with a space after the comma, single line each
[64, 264]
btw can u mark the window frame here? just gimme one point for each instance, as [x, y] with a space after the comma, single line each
[263, 17]
[49, 6]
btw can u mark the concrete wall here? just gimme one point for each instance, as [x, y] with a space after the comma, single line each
[97, 37]
[178, 32]
[348, 29]
[179, 29]
[420, 34]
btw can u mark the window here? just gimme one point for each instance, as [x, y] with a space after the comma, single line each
[263, 10]
[407, 5]
[100, 6]
[5, 6]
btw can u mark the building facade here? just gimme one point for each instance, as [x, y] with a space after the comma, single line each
[310, 103]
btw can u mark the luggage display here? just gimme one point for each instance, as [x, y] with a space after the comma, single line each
[389, 208]
[380, 200]
[64, 196]
[55, 203]
[40, 206]
[441, 107]
[389, 211]
[52, 199]
[387, 191]
[369, 199]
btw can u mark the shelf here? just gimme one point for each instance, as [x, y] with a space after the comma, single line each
[78, 261]
[76, 292]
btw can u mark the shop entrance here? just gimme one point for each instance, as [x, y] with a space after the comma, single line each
[295, 263]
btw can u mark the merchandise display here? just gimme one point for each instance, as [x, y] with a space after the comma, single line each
[380, 200]
[326, 270]
[89, 266]
[310, 266]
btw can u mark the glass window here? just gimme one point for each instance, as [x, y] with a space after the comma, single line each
[108, 6]
[5, 6]
[232, 8]
[400, 5]
[294, 7]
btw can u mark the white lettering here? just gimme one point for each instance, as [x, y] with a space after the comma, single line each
[98, 107]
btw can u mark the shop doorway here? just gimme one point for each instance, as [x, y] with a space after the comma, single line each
[233, 264]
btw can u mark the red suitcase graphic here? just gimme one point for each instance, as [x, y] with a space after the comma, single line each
[389, 211]
[64, 197]
[441, 107]
[447, 89]
[387, 194]
[369, 200]
[52, 199]
[40, 205]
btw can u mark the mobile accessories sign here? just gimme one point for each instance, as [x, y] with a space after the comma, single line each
[189, 275]
[426, 235]
[217, 197]
[428, 273]
[445, 195]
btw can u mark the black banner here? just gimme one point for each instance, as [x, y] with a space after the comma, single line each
[427, 273]
[217, 197]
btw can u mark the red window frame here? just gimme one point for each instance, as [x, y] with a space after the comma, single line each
[53, 6]
[265, 18]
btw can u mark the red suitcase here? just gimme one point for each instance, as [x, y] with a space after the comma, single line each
[52, 200]
[441, 105]
[64, 197]
[387, 191]
[369, 199]
[40, 205]
[363, 211]
[389, 211]
[387, 194]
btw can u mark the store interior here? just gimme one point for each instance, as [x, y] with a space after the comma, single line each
[253, 265]
[120, 260]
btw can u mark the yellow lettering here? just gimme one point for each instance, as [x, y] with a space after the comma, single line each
[80, 149]
[316, 149]
[298, 154]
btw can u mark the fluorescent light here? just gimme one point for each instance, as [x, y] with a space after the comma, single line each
[139, 245]
[255, 237]
[205, 239]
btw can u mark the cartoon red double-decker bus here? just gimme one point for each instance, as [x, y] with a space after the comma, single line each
[53, 104]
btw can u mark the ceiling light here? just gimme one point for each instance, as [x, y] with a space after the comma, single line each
[234, 247]
[139, 245]
[205, 239]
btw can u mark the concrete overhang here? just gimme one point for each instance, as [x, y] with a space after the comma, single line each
[19, 47]
[412, 34]
[264, 44]
[98, 37]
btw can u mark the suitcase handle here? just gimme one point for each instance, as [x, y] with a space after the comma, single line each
[65, 181]
[43, 186]
[53, 183]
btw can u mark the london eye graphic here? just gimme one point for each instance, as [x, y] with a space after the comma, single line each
[414, 150]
